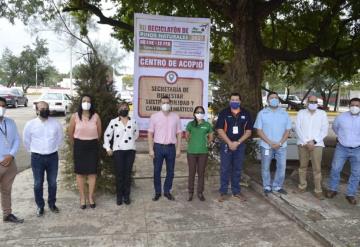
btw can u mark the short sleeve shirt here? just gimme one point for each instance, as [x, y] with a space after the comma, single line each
[165, 127]
[273, 124]
[198, 137]
[234, 125]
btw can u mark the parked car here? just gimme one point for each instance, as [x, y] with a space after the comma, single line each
[294, 103]
[14, 97]
[59, 102]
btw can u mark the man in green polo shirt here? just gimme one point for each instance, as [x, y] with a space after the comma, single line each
[198, 134]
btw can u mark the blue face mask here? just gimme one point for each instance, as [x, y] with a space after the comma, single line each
[274, 102]
[234, 105]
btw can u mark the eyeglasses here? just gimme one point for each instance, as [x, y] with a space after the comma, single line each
[313, 102]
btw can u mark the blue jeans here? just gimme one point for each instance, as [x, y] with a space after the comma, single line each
[41, 164]
[266, 156]
[341, 155]
[161, 153]
[230, 168]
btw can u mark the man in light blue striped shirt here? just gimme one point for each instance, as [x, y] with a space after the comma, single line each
[347, 128]
[9, 145]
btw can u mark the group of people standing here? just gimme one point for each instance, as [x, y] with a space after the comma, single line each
[43, 137]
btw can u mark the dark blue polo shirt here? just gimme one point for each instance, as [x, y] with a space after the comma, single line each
[227, 120]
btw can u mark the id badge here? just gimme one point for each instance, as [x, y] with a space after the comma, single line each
[235, 130]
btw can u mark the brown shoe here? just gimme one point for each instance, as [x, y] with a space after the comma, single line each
[351, 200]
[331, 194]
[300, 190]
[222, 198]
[240, 197]
[319, 195]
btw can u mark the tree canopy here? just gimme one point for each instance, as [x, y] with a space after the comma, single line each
[246, 34]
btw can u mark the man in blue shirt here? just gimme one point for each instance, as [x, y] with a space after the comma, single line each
[234, 126]
[273, 126]
[9, 145]
[347, 128]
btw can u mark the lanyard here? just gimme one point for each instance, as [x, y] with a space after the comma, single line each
[4, 131]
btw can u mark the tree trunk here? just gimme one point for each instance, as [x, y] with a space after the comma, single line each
[306, 95]
[244, 73]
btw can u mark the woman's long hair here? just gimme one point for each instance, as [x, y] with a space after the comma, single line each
[196, 108]
[92, 107]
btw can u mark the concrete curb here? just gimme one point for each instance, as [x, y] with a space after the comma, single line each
[323, 236]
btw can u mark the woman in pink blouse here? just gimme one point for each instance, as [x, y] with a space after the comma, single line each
[84, 133]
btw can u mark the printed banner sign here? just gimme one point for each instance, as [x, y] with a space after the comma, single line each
[171, 58]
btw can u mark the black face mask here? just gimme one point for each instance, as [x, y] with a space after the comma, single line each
[123, 113]
[44, 113]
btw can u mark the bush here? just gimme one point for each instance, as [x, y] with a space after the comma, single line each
[92, 79]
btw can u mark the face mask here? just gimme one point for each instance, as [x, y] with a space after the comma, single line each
[234, 105]
[274, 102]
[123, 113]
[312, 107]
[44, 113]
[199, 116]
[354, 110]
[165, 107]
[85, 106]
[2, 111]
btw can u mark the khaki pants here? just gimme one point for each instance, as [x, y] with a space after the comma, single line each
[7, 176]
[316, 157]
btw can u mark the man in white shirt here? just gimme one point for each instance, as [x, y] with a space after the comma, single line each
[43, 137]
[311, 128]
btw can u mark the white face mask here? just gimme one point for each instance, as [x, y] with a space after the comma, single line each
[199, 116]
[85, 106]
[312, 107]
[354, 110]
[2, 111]
[165, 107]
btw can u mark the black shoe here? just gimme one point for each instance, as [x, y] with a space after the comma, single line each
[267, 192]
[93, 205]
[281, 191]
[351, 200]
[156, 197]
[169, 196]
[119, 201]
[190, 197]
[127, 200]
[201, 197]
[54, 209]
[40, 212]
[13, 219]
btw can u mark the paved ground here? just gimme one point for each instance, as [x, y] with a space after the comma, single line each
[148, 223]
[334, 220]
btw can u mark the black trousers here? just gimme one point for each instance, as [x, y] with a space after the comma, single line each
[123, 163]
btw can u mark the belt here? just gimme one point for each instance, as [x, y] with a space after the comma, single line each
[45, 154]
[165, 145]
[353, 147]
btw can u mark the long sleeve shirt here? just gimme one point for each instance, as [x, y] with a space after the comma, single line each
[43, 137]
[347, 128]
[311, 126]
[123, 137]
[9, 138]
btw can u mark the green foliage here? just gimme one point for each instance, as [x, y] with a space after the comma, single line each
[22, 69]
[128, 81]
[92, 80]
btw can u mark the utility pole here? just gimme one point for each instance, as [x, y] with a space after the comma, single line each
[36, 74]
